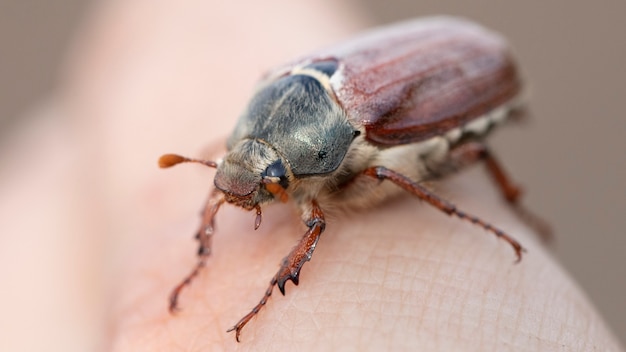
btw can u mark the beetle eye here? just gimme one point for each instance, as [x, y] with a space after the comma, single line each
[277, 170]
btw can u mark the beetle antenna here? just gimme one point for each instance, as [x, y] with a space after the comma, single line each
[169, 160]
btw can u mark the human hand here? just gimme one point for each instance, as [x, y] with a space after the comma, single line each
[399, 276]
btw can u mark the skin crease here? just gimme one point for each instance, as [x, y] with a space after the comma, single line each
[401, 276]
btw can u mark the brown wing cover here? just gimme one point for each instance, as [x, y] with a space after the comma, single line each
[419, 79]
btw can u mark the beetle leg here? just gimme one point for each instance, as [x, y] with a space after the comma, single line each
[382, 173]
[475, 151]
[204, 235]
[291, 265]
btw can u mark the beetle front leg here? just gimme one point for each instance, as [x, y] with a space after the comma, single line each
[475, 151]
[291, 264]
[382, 173]
[204, 235]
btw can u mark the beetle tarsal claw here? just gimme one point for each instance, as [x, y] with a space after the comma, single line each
[519, 252]
[237, 327]
[237, 331]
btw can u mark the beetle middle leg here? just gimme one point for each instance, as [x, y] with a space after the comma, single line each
[291, 264]
[383, 173]
[471, 152]
[204, 235]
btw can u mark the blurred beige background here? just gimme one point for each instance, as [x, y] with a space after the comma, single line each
[570, 158]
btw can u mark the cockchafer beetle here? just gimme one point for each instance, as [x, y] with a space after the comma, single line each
[405, 103]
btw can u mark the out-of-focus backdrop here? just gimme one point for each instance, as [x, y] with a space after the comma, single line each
[571, 157]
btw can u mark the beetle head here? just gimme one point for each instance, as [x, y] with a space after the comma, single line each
[252, 173]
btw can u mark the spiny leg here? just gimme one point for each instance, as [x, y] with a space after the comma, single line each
[204, 235]
[382, 173]
[291, 264]
[475, 151]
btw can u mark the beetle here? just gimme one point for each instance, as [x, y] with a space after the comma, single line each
[407, 103]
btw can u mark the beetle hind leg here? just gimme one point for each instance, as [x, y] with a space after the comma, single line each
[382, 173]
[471, 152]
[291, 264]
[204, 235]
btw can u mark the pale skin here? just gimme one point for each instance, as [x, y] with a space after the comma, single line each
[400, 276]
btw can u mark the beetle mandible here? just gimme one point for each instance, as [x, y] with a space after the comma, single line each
[405, 103]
